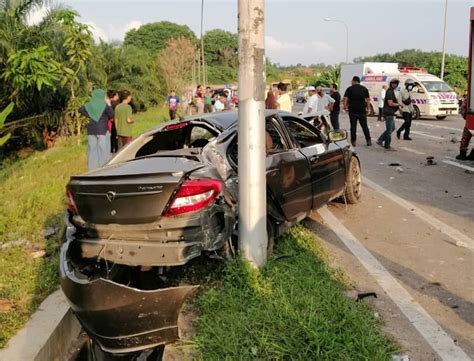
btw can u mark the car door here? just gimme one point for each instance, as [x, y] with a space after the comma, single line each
[288, 175]
[326, 161]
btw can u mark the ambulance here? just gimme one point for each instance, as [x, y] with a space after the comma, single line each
[431, 96]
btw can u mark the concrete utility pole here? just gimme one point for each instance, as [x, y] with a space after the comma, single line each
[202, 45]
[252, 175]
[443, 52]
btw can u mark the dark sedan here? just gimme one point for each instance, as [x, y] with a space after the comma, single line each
[171, 196]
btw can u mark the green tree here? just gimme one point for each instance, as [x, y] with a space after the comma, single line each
[220, 48]
[455, 65]
[153, 37]
[3, 116]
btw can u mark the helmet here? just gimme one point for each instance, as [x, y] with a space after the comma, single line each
[409, 83]
[394, 81]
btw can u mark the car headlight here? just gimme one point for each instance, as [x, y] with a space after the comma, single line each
[433, 101]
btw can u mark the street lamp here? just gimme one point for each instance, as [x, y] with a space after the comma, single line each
[347, 35]
[202, 45]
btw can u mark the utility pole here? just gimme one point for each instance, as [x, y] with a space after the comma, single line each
[251, 130]
[443, 52]
[202, 45]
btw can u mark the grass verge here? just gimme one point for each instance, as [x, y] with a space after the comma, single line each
[294, 308]
[32, 188]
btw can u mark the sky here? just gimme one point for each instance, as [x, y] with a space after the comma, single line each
[295, 31]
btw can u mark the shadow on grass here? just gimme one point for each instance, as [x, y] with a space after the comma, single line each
[293, 308]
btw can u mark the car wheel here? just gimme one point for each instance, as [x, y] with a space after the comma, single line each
[416, 113]
[353, 182]
[441, 117]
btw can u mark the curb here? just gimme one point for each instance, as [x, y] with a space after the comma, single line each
[48, 334]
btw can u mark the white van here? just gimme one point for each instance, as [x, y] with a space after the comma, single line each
[430, 97]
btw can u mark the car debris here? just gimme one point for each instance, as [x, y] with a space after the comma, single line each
[430, 161]
[394, 164]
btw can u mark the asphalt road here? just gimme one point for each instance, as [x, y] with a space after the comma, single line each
[417, 221]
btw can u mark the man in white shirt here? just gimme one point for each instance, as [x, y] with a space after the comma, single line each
[284, 101]
[325, 102]
[381, 101]
[312, 102]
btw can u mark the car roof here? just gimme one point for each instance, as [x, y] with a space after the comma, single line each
[225, 120]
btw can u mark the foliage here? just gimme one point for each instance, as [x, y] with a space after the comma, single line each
[292, 309]
[220, 48]
[3, 117]
[154, 37]
[175, 63]
[31, 68]
[455, 65]
[325, 79]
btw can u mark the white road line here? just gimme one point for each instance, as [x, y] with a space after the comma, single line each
[412, 151]
[432, 332]
[432, 125]
[460, 239]
[456, 164]
[427, 135]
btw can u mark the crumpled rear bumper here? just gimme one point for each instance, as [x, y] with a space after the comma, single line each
[122, 319]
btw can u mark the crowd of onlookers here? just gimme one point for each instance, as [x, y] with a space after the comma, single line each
[110, 124]
[200, 101]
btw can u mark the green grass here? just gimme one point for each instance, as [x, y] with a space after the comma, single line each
[32, 188]
[292, 309]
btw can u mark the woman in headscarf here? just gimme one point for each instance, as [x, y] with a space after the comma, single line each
[270, 101]
[98, 112]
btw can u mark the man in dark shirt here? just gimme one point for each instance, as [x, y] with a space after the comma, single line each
[390, 106]
[357, 101]
[336, 106]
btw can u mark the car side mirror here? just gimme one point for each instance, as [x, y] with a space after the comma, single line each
[337, 135]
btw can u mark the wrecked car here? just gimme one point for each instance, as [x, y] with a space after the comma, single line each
[171, 196]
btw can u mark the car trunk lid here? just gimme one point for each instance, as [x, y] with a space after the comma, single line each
[132, 192]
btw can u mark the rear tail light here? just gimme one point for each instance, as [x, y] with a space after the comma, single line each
[194, 195]
[71, 204]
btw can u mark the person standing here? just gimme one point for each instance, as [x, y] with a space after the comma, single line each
[381, 100]
[311, 104]
[325, 102]
[208, 100]
[200, 99]
[336, 108]
[407, 109]
[123, 120]
[173, 103]
[270, 101]
[219, 104]
[357, 102]
[284, 101]
[390, 106]
[466, 134]
[98, 113]
[114, 100]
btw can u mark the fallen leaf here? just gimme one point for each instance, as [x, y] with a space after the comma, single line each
[5, 305]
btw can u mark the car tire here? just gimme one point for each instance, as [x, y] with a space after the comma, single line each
[441, 117]
[416, 113]
[353, 189]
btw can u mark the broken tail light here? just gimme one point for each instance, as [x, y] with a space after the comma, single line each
[71, 204]
[194, 195]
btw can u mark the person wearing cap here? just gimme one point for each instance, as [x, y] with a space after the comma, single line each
[312, 103]
[407, 109]
[357, 101]
[390, 106]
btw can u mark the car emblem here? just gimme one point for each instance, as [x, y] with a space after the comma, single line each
[110, 195]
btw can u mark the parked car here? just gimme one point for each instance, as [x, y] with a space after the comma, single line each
[301, 95]
[171, 196]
